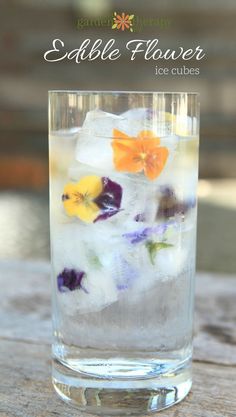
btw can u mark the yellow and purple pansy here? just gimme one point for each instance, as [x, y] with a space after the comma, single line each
[92, 198]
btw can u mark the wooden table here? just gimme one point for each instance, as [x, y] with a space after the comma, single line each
[25, 333]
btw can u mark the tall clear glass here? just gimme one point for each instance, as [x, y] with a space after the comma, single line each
[123, 180]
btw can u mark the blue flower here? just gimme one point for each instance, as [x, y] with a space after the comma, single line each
[142, 235]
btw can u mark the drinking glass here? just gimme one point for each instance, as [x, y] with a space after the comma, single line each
[123, 179]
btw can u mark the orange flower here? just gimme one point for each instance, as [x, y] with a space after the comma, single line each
[139, 154]
[122, 21]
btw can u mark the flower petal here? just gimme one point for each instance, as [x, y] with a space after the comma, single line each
[70, 280]
[117, 134]
[109, 200]
[105, 215]
[139, 154]
[87, 212]
[71, 207]
[70, 189]
[155, 164]
[111, 195]
[122, 145]
[90, 185]
[125, 153]
[142, 234]
[128, 163]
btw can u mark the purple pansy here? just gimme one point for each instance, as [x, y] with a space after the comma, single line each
[109, 200]
[70, 280]
[169, 205]
[143, 234]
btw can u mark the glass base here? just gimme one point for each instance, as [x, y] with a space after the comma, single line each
[127, 388]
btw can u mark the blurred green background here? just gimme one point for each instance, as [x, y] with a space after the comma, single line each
[26, 31]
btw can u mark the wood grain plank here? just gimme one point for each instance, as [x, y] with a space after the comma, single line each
[26, 389]
[25, 337]
[25, 302]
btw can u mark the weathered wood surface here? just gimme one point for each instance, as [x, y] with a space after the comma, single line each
[25, 333]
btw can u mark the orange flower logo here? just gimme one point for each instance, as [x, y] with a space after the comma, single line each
[141, 154]
[123, 21]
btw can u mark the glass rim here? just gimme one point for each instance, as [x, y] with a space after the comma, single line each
[85, 92]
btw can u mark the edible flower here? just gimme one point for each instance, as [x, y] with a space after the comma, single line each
[170, 206]
[143, 234]
[93, 198]
[70, 280]
[139, 154]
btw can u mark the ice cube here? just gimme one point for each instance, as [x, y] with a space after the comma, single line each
[77, 246]
[131, 122]
[134, 121]
[78, 170]
[95, 151]
[129, 262]
[183, 183]
[160, 123]
[167, 263]
[139, 196]
[94, 145]
[100, 123]
[73, 244]
[94, 142]
[101, 292]
[123, 272]
[166, 123]
[171, 261]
